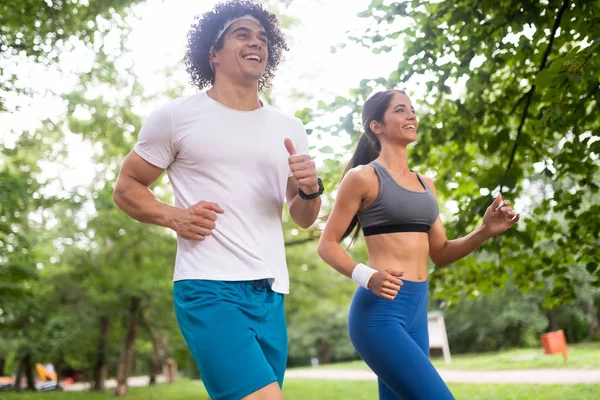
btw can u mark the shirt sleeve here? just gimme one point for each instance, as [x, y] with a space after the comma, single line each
[300, 140]
[156, 139]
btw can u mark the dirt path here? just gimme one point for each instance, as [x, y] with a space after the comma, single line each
[540, 376]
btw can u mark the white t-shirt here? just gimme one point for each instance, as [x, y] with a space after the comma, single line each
[238, 160]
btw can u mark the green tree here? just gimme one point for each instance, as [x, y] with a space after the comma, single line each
[38, 31]
[22, 248]
[317, 308]
[132, 261]
[512, 89]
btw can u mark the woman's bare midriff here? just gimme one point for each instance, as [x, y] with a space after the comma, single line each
[402, 251]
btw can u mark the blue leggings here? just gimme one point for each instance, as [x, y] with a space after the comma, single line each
[392, 338]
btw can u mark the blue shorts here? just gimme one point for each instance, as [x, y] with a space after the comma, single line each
[236, 332]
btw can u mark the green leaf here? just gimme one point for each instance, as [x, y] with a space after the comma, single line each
[510, 181]
[556, 109]
[545, 79]
[494, 144]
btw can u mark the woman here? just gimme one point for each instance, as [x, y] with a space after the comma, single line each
[399, 215]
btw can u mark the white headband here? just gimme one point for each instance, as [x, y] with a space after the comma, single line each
[224, 28]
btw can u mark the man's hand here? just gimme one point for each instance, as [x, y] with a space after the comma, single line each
[303, 169]
[197, 222]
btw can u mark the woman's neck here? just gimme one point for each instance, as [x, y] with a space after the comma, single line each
[394, 158]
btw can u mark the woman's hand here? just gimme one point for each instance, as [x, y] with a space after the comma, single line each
[499, 216]
[386, 284]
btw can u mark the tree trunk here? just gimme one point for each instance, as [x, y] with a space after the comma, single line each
[2, 366]
[58, 367]
[152, 371]
[127, 347]
[157, 356]
[594, 326]
[155, 364]
[325, 350]
[551, 314]
[19, 377]
[171, 369]
[101, 367]
[159, 351]
[29, 371]
[169, 360]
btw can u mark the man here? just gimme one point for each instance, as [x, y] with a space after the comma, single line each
[232, 162]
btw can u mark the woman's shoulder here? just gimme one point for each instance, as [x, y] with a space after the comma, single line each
[429, 182]
[360, 177]
[361, 173]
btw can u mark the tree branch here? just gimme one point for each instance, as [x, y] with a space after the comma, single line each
[559, 16]
[529, 94]
[519, 102]
[156, 341]
[301, 241]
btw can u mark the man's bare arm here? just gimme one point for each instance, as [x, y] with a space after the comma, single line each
[133, 195]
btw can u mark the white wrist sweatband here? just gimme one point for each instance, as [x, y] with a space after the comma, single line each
[361, 275]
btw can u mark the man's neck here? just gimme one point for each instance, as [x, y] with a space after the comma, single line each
[235, 96]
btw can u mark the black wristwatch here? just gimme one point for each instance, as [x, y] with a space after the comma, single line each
[313, 195]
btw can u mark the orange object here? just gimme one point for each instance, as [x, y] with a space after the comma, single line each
[554, 343]
[46, 372]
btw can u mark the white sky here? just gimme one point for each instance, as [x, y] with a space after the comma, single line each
[309, 65]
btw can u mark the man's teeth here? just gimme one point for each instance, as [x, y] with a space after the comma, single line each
[410, 127]
[252, 57]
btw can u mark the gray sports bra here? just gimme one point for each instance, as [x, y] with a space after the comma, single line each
[397, 209]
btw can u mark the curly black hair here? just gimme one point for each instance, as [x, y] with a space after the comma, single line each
[203, 33]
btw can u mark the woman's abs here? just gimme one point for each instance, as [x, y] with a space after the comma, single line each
[404, 251]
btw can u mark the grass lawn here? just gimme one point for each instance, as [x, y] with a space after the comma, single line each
[584, 356]
[295, 389]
